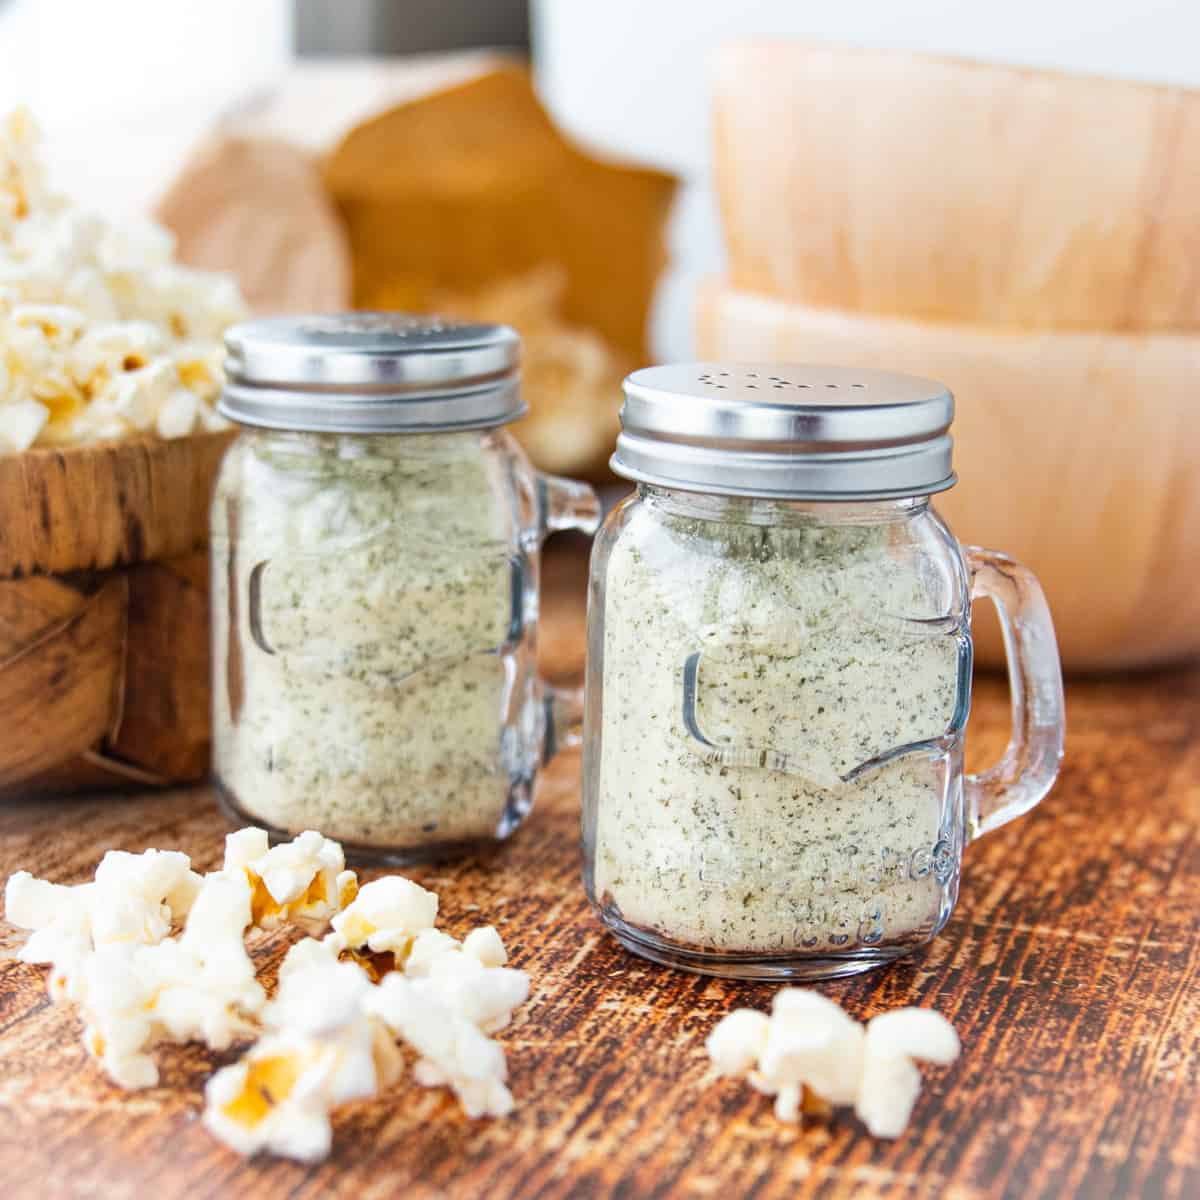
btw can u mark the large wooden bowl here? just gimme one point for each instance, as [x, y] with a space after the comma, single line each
[1077, 453]
[104, 613]
[893, 183]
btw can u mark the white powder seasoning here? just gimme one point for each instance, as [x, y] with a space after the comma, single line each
[737, 822]
[357, 688]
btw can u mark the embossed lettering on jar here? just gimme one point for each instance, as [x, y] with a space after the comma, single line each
[375, 567]
[779, 674]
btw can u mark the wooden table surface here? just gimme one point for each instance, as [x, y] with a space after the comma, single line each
[1070, 969]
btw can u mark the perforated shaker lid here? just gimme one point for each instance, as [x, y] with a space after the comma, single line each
[371, 373]
[779, 430]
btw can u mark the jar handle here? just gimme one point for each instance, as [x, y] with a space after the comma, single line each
[564, 504]
[1029, 766]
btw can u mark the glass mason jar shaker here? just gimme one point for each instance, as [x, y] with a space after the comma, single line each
[779, 674]
[375, 549]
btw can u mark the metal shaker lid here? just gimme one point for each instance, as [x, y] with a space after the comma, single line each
[785, 431]
[371, 372]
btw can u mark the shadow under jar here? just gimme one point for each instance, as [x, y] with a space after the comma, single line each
[375, 550]
[779, 674]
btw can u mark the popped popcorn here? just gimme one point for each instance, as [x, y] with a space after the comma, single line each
[108, 946]
[385, 917]
[737, 1041]
[303, 881]
[811, 1056]
[450, 997]
[482, 944]
[203, 984]
[890, 1079]
[331, 1029]
[454, 1050]
[102, 335]
[279, 1097]
[134, 898]
[134, 993]
[152, 952]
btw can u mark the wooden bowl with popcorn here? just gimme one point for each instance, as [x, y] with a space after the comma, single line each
[110, 364]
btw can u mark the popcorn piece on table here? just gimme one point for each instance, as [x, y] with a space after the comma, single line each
[890, 1079]
[134, 898]
[812, 1042]
[61, 937]
[737, 1041]
[198, 987]
[485, 996]
[445, 1004]
[115, 1004]
[330, 1031]
[453, 1049]
[427, 947]
[303, 881]
[379, 928]
[323, 1049]
[279, 1097]
[483, 945]
[811, 1055]
[205, 986]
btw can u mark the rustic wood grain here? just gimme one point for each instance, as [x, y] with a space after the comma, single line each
[104, 677]
[104, 612]
[1071, 969]
[165, 724]
[974, 192]
[61, 688]
[84, 508]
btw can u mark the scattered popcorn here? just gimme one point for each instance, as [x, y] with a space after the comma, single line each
[485, 996]
[737, 1042]
[135, 898]
[203, 984]
[118, 1027]
[199, 987]
[385, 917]
[811, 1056]
[101, 334]
[279, 1097]
[303, 881]
[427, 947]
[450, 997]
[152, 952]
[454, 1050]
[811, 1042]
[331, 1029]
[484, 944]
[890, 1080]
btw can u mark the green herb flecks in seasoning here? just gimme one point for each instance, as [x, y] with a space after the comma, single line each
[372, 695]
[736, 823]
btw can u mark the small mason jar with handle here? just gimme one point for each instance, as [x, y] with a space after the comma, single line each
[375, 547]
[779, 674]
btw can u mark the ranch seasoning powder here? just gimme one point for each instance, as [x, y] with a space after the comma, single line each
[748, 819]
[368, 693]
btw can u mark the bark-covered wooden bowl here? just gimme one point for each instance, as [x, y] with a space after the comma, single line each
[104, 674]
